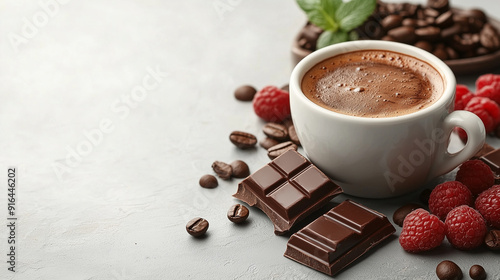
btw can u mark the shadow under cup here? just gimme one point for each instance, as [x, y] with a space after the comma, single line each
[388, 156]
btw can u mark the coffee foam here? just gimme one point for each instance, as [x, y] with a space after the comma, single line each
[373, 83]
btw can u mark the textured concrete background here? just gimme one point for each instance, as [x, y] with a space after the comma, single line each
[112, 110]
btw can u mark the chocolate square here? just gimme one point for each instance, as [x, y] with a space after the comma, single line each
[336, 239]
[287, 189]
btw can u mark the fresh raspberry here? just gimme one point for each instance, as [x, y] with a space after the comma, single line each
[491, 91]
[486, 79]
[465, 228]
[447, 196]
[421, 231]
[272, 104]
[462, 96]
[486, 109]
[488, 204]
[476, 175]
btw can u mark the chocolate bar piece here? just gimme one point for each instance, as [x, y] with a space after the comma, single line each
[492, 159]
[287, 189]
[334, 240]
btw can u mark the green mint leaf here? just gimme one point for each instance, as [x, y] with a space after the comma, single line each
[321, 12]
[329, 37]
[353, 13]
[353, 35]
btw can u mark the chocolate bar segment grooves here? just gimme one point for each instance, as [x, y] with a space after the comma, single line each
[287, 190]
[339, 237]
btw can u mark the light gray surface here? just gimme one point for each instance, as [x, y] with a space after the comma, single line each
[118, 207]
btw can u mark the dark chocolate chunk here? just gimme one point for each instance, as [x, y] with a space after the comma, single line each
[484, 150]
[281, 148]
[245, 93]
[208, 181]
[276, 131]
[238, 213]
[222, 169]
[492, 159]
[492, 239]
[336, 239]
[243, 140]
[448, 270]
[287, 190]
[240, 169]
[477, 272]
[197, 227]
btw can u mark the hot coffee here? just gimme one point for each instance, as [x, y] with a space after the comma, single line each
[373, 83]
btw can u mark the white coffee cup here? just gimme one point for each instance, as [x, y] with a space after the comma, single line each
[382, 157]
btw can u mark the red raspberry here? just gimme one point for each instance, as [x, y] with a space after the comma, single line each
[465, 228]
[486, 109]
[486, 79]
[447, 196]
[462, 96]
[491, 91]
[421, 231]
[476, 175]
[272, 104]
[488, 204]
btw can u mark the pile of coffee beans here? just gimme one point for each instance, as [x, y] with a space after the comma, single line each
[436, 27]
[446, 32]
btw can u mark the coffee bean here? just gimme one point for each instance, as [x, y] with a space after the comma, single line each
[477, 272]
[275, 131]
[400, 214]
[223, 170]
[292, 134]
[197, 227]
[409, 22]
[431, 13]
[489, 37]
[267, 143]
[208, 181]
[444, 20]
[451, 31]
[243, 140]
[452, 54]
[439, 5]
[237, 213]
[391, 21]
[424, 45]
[245, 93]
[280, 149]
[448, 270]
[240, 169]
[388, 38]
[429, 33]
[440, 52]
[492, 239]
[403, 34]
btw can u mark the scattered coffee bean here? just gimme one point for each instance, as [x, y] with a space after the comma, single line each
[492, 239]
[400, 214]
[275, 131]
[240, 169]
[292, 134]
[237, 213]
[245, 93]
[448, 270]
[424, 45]
[424, 196]
[429, 33]
[197, 227]
[267, 143]
[439, 5]
[243, 140]
[477, 272]
[489, 37]
[208, 181]
[444, 20]
[223, 170]
[281, 148]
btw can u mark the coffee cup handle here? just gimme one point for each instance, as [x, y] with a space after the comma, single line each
[476, 133]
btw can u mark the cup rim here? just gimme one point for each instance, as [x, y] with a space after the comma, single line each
[317, 56]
